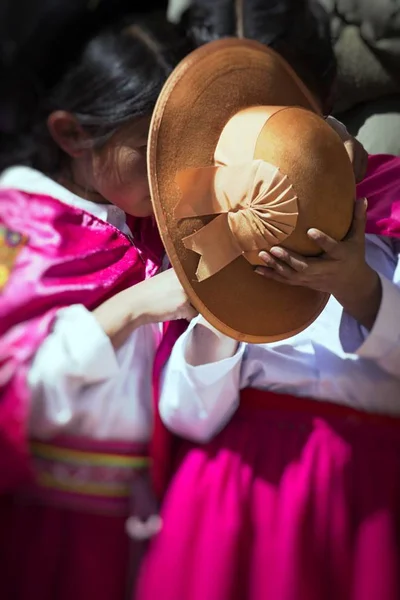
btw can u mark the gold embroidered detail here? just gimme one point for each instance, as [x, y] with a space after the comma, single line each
[11, 244]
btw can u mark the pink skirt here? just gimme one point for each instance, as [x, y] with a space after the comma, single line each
[293, 500]
[64, 537]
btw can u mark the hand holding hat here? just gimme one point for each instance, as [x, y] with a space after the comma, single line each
[335, 271]
[341, 271]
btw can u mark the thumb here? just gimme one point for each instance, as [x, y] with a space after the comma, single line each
[349, 145]
[359, 218]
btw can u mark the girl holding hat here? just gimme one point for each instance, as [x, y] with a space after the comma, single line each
[79, 314]
[287, 387]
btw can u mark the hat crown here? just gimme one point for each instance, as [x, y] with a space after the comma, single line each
[303, 148]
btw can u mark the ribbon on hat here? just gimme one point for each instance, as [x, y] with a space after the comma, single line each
[256, 207]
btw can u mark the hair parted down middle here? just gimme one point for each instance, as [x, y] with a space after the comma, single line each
[299, 30]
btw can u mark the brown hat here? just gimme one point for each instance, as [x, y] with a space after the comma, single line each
[239, 160]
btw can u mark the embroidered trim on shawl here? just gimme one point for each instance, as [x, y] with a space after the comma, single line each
[11, 244]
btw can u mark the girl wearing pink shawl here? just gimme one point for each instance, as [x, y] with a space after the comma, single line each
[79, 319]
[288, 486]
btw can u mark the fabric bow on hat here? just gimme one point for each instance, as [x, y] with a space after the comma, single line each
[256, 207]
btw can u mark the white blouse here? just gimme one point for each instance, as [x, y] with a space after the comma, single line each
[80, 385]
[332, 360]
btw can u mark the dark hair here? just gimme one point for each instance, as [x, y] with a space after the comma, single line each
[299, 30]
[115, 77]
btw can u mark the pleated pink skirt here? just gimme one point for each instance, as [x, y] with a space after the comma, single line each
[293, 500]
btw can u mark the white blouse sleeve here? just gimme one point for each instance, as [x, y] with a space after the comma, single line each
[76, 354]
[197, 402]
[382, 343]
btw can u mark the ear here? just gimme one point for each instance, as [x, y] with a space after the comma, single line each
[67, 133]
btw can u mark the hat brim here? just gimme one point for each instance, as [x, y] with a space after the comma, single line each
[204, 92]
